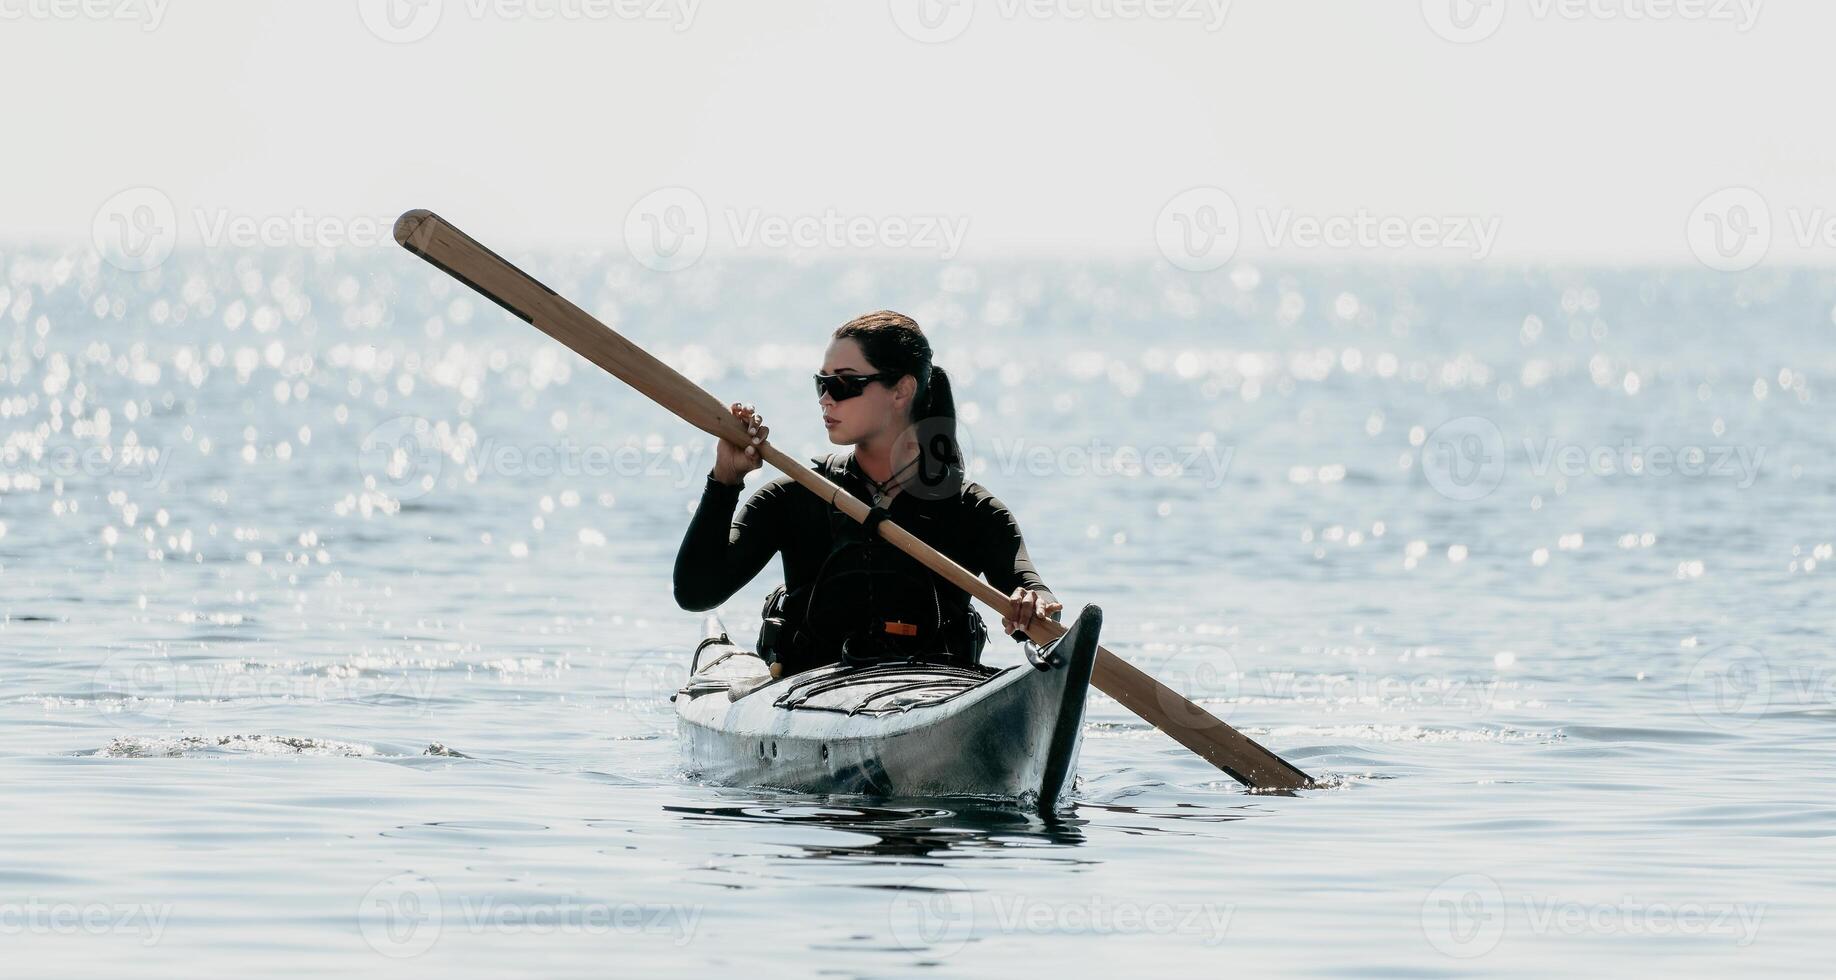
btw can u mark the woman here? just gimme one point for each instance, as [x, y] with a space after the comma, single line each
[848, 595]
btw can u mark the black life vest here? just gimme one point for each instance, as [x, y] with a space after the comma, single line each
[871, 602]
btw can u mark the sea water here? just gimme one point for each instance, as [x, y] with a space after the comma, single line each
[338, 633]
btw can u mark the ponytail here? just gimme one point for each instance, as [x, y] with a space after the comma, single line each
[935, 418]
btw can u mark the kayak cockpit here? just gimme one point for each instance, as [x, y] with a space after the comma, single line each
[720, 666]
[880, 689]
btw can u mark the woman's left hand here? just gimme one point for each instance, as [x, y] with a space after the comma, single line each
[1027, 605]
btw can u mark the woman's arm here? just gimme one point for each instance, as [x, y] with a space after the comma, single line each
[718, 556]
[1001, 552]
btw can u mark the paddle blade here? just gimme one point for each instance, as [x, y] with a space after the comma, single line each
[1241, 757]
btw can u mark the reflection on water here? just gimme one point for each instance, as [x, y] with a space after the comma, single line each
[906, 830]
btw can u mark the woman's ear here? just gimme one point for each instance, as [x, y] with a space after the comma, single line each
[907, 388]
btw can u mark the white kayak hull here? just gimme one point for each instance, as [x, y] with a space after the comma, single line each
[891, 731]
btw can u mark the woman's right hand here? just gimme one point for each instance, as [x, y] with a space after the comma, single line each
[731, 463]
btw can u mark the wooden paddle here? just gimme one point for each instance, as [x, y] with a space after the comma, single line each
[456, 253]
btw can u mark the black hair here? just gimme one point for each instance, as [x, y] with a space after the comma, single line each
[894, 344]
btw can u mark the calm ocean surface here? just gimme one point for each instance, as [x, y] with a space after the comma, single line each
[1532, 567]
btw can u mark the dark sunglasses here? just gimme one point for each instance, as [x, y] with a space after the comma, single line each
[842, 387]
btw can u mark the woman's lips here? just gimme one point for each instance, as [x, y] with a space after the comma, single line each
[830, 423]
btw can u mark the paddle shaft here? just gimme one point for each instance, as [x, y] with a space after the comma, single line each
[460, 256]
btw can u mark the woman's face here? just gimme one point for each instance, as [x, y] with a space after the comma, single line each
[876, 410]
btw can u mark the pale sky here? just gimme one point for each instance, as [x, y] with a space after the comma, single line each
[1569, 129]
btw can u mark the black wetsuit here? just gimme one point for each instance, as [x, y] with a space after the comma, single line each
[722, 552]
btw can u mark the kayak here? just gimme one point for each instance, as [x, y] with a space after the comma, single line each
[893, 730]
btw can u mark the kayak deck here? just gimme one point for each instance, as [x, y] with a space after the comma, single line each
[905, 729]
